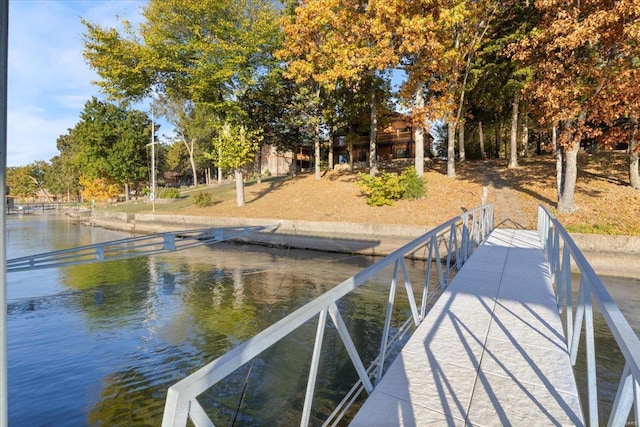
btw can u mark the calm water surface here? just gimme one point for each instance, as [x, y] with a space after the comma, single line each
[99, 344]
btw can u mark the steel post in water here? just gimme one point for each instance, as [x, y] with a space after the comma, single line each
[4, 48]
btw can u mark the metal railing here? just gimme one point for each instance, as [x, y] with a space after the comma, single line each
[561, 250]
[131, 247]
[456, 239]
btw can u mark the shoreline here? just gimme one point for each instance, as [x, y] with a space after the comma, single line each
[616, 256]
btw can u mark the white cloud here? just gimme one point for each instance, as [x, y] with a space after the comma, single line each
[49, 81]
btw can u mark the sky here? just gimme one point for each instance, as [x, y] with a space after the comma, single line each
[48, 79]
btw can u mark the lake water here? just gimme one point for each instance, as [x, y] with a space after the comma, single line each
[99, 344]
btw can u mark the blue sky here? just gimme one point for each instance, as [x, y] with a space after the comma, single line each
[49, 81]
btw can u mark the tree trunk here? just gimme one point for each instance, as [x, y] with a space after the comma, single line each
[499, 141]
[294, 162]
[330, 160]
[219, 175]
[259, 166]
[569, 177]
[316, 154]
[634, 171]
[351, 155]
[513, 155]
[525, 135]
[239, 187]
[461, 142]
[373, 134]
[566, 202]
[418, 133]
[483, 155]
[192, 161]
[451, 149]
[559, 155]
[126, 191]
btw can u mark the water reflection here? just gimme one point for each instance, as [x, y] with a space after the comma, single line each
[99, 344]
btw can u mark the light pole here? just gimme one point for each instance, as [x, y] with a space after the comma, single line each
[153, 163]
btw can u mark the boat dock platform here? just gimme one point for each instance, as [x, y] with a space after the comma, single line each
[490, 352]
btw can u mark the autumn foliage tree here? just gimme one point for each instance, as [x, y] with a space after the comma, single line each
[435, 42]
[585, 61]
[330, 42]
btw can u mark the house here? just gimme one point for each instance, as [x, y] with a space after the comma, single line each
[277, 162]
[394, 141]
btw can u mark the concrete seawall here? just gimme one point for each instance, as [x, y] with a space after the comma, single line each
[608, 255]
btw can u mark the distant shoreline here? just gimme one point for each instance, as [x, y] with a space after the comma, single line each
[617, 256]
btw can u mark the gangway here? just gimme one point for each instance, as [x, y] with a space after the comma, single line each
[517, 313]
[149, 244]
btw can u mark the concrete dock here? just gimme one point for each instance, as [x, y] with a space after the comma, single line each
[491, 352]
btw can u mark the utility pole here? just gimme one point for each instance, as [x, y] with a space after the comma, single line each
[153, 163]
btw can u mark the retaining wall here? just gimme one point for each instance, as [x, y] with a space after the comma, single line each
[609, 255]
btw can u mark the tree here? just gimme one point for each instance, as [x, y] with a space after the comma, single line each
[20, 181]
[280, 109]
[330, 42]
[206, 52]
[232, 148]
[581, 54]
[193, 123]
[111, 143]
[436, 43]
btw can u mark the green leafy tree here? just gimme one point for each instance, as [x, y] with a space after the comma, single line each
[111, 142]
[496, 78]
[232, 149]
[20, 181]
[204, 52]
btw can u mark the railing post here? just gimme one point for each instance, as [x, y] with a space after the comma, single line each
[591, 358]
[169, 242]
[452, 238]
[434, 243]
[425, 287]
[409, 289]
[313, 370]
[351, 348]
[577, 326]
[568, 286]
[387, 322]
[628, 393]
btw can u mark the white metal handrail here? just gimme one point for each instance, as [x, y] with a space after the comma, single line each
[560, 250]
[130, 247]
[459, 236]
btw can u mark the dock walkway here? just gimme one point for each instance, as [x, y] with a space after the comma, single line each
[490, 352]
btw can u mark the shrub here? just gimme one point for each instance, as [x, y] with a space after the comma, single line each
[382, 189]
[412, 185]
[202, 199]
[168, 193]
[385, 188]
